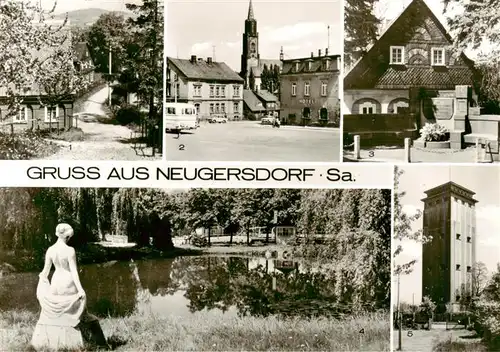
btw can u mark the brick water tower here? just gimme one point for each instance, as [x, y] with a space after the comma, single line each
[447, 259]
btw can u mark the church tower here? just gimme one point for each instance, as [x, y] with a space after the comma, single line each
[250, 54]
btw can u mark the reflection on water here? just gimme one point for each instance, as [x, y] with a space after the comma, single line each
[180, 286]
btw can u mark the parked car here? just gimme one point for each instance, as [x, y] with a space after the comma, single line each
[217, 119]
[268, 120]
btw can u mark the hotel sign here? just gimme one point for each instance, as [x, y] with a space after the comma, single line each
[307, 101]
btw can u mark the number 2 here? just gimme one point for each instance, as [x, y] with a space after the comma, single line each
[181, 146]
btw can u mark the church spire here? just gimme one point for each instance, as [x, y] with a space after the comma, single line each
[250, 11]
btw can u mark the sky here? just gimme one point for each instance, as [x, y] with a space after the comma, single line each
[484, 181]
[195, 26]
[63, 6]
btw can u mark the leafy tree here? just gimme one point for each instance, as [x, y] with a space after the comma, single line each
[270, 78]
[143, 65]
[251, 80]
[201, 209]
[108, 33]
[403, 225]
[361, 28]
[37, 56]
[473, 24]
[479, 276]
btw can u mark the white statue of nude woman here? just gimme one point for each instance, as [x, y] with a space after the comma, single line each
[62, 300]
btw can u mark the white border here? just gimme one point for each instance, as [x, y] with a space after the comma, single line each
[58, 173]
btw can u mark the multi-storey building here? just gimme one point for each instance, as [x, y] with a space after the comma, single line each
[211, 86]
[309, 89]
[447, 260]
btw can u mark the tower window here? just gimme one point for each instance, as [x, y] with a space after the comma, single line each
[458, 267]
[458, 236]
[469, 239]
[469, 268]
[457, 298]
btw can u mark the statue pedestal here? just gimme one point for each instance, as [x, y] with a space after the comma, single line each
[56, 337]
[87, 333]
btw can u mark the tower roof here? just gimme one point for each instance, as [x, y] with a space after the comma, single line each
[451, 189]
[250, 11]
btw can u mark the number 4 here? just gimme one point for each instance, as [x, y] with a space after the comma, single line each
[362, 331]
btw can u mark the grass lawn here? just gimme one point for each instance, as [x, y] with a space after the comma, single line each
[215, 331]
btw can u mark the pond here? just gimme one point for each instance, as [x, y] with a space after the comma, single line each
[184, 285]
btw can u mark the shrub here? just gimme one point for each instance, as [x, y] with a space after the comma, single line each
[128, 114]
[24, 146]
[434, 132]
[199, 241]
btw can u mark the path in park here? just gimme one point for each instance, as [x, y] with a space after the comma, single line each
[102, 141]
[425, 340]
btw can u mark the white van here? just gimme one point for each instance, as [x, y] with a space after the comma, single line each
[180, 116]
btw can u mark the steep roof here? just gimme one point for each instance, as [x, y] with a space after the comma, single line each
[266, 95]
[373, 70]
[252, 101]
[204, 71]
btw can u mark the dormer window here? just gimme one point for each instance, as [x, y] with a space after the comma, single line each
[309, 66]
[296, 67]
[397, 55]
[437, 57]
[327, 64]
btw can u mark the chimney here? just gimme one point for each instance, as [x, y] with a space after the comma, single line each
[319, 52]
[312, 54]
[209, 60]
[326, 52]
[193, 59]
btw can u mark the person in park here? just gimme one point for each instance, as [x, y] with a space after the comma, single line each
[63, 322]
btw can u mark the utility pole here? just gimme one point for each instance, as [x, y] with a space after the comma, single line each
[328, 46]
[400, 348]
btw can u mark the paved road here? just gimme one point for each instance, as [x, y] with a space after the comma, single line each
[102, 141]
[250, 141]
